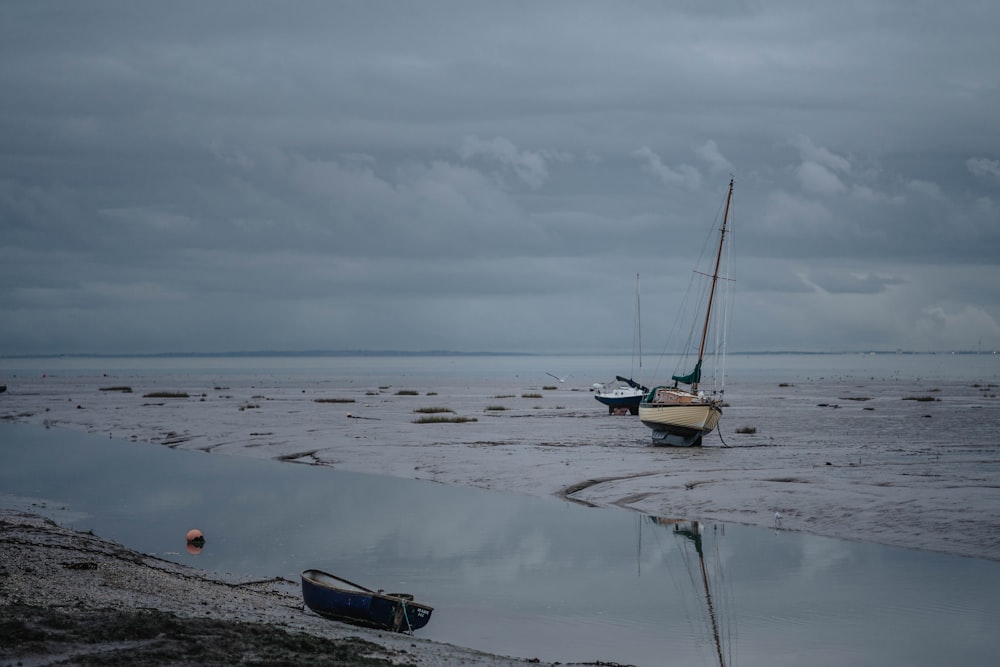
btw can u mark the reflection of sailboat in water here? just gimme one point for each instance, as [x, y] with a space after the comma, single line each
[719, 624]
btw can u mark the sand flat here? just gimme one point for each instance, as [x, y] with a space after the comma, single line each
[840, 458]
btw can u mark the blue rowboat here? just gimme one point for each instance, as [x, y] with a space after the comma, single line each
[345, 601]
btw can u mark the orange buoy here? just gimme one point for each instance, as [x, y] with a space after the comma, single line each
[195, 541]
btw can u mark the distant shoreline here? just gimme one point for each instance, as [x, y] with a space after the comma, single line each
[452, 353]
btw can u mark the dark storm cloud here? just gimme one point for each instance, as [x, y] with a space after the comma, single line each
[239, 175]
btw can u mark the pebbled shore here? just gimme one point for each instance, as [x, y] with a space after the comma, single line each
[70, 598]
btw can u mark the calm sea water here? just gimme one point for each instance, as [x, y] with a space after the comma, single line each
[525, 576]
[582, 368]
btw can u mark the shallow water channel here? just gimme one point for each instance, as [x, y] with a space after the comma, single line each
[522, 576]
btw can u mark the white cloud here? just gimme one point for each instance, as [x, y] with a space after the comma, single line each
[812, 153]
[682, 176]
[818, 179]
[786, 217]
[710, 153]
[959, 326]
[231, 157]
[983, 167]
[925, 188]
[872, 196]
[530, 167]
[851, 282]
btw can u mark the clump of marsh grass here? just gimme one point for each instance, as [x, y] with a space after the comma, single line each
[407, 392]
[166, 394]
[531, 396]
[124, 390]
[750, 430]
[444, 420]
[922, 399]
[433, 411]
[333, 400]
[496, 408]
[504, 396]
[550, 388]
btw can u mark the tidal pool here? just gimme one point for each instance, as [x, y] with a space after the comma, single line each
[529, 577]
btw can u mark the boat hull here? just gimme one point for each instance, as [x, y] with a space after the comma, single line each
[342, 600]
[618, 400]
[679, 418]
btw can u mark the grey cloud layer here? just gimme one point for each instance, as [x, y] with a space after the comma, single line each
[492, 177]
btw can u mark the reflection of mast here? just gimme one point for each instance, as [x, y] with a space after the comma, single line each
[711, 611]
[638, 546]
[694, 534]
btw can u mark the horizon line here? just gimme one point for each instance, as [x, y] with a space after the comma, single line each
[441, 353]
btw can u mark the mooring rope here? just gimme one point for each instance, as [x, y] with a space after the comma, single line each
[406, 616]
[724, 443]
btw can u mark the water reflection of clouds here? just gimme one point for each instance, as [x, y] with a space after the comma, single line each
[162, 501]
[817, 558]
[344, 517]
[601, 577]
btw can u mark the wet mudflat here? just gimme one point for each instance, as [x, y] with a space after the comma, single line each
[895, 449]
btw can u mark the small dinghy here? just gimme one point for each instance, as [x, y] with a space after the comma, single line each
[345, 601]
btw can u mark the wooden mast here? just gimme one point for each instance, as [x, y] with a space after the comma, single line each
[715, 279]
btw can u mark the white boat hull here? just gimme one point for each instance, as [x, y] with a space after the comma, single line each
[679, 418]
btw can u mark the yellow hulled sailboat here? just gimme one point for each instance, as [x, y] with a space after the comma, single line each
[678, 415]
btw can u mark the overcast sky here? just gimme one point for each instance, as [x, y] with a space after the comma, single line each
[491, 176]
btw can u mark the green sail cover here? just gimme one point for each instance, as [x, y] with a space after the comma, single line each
[692, 377]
